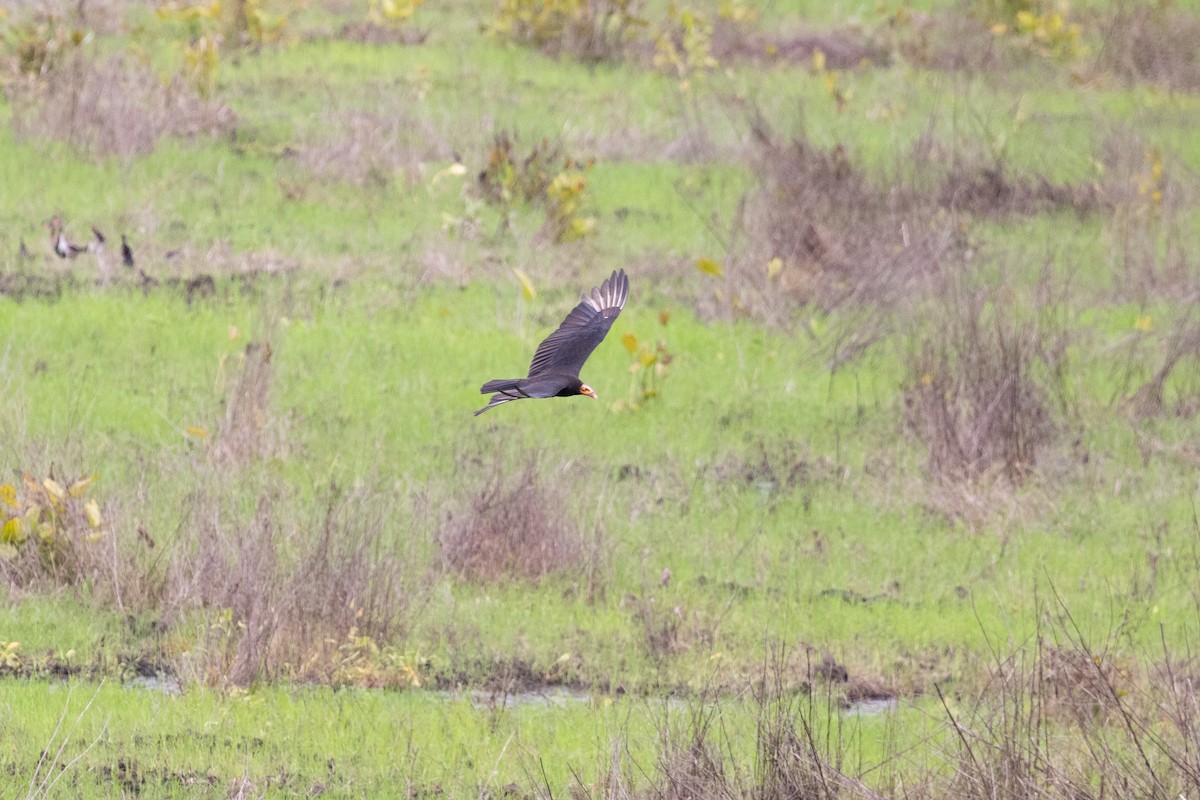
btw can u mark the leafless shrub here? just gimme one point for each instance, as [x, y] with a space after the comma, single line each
[1183, 346]
[111, 107]
[284, 596]
[819, 231]
[370, 148]
[1064, 720]
[367, 32]
[517, 523]
[1155, 42]
[592, 31]
[791, 747]
[242, 434]
[952, 40]
[734, 41]
[989, 191]
[1151, 232]
[976, 387]
[692, 765]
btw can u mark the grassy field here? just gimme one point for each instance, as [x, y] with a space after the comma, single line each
[891, 486]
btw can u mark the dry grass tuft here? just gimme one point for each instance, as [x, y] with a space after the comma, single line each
[111, 107]
[283, 596]
[990, 192]
[519, 523]
[371, 149]
[366, 32]
[833, 235]
[1152, 42]
[1058, 720]
[242, 435]
[1182, 347]
[1151, 231]
[977, 391]
[735, 42]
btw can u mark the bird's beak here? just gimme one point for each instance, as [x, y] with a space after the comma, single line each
[589, 391]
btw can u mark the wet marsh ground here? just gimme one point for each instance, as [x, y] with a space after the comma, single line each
[899, 418]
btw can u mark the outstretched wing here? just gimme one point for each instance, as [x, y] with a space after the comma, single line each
[565, 350]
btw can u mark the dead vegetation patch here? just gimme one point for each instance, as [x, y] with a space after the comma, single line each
[520, 522]
[991, 192]
[111, 107]
[242, 435]
[367, 32]
[1150, 42]
[1182, 348]
[370, 149]
[949, 40]
[736, 42]
[287, 596]
[819, 231]
[1151, 231]
[978, 390]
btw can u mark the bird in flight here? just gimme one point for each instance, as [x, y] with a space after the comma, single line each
[554, 371]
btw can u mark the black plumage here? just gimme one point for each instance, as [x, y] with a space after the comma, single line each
[126, 252]
[554, 371]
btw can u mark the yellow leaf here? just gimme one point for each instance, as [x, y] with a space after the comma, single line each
[91, 509]
[774, 267]
[629, 342]
[526, 284]
[818, 61]
[53, 489]
[710, 267]
[1143, 323]
[647, 357]
[12, 531]
[80, 486]
[197, 431]
[8, 495]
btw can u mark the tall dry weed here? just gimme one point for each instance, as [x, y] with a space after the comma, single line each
[111, 107]
[819, 231]
[280, 593]
[979, 385]
[1151, 42]
[521, 521]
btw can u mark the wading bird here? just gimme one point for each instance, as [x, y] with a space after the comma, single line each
[126, 252]
[58, 239]
[556, 364]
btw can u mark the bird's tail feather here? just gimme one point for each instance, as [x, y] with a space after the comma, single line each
[500, 385]
[497, 400]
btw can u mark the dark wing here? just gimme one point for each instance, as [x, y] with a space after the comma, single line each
[565, 350]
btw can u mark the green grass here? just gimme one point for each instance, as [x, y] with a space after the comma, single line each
[788, 500]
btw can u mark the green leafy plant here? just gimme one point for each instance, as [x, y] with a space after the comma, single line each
[1039, 26]
[204, 28]
[684, 46]
[47, 515]
[391, 12]
[591, 30]
[649, 366]
[36, 47]
[545, 177]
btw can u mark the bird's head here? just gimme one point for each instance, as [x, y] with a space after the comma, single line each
[589, 391]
